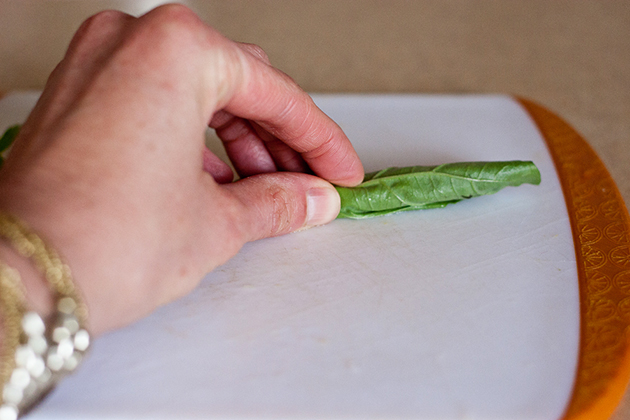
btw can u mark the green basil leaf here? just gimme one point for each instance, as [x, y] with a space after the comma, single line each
[425, 187]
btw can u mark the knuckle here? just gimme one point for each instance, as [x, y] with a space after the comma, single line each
[173, 31]
[102, 20]
[173, 12]
[282, 210]
[256, 51]
[156, 44]
[107, 17]
[95, 26]
[172, 22]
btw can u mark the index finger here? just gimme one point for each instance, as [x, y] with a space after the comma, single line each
[272, 99]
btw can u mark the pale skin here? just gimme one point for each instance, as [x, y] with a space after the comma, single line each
[111, 166]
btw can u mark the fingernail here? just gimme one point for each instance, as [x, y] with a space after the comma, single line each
[322, 206]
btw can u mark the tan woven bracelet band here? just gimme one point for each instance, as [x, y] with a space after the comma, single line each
[37, 354]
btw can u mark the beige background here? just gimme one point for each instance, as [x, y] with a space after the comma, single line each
[571, 56]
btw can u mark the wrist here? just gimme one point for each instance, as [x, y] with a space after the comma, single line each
[43, 318]
[38, 296]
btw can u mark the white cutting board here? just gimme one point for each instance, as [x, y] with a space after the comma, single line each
[466, 312]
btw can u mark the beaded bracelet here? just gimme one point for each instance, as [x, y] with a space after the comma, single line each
[37, 354]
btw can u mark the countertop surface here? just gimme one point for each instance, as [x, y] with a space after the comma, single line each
[572, 57]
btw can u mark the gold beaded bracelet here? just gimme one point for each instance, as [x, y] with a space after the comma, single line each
[37, 354]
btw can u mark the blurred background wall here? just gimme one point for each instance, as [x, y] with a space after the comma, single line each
[572, 56]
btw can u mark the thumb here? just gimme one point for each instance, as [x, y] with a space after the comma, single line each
[278, 203]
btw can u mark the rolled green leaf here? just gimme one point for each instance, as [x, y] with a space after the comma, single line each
[394, 190]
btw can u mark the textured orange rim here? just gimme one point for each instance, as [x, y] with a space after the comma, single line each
[601, 234]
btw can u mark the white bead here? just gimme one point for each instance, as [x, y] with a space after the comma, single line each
[33, 325]
[65, 348]
[45, 376]
[23, 355]
[66, 305]
[38, 344]
[54, 361]
[72, 362]
[20, 378]
[71, 324]
[36, 366]
[12, 394]
[81, 340]
[60, 333]
[8, 412]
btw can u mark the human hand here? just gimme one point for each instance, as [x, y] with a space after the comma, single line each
[112, 169]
